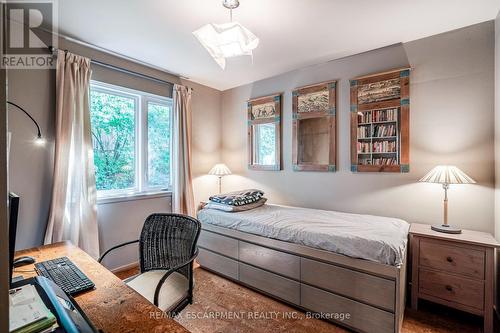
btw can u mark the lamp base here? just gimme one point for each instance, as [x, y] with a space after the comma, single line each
[446, 229]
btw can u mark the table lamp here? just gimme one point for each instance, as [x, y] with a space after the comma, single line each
[220, 170]
[446, 175]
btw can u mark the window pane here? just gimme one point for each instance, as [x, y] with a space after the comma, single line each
[113, 137]
[158, 145]
[265, 144]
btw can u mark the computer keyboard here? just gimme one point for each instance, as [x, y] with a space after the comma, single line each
[65, 274]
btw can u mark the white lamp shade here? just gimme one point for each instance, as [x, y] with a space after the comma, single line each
[447, 174]
[226, 40]
[220, 170]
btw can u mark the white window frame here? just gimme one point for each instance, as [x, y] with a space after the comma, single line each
[142, 99]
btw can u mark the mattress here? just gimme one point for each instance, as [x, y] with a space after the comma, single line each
[375, 238]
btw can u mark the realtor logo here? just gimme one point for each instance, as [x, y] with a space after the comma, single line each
[27, 33]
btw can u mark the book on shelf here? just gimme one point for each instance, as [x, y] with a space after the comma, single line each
[384, 147]
[364, 117]
[385, 161]
[378, 116]
[364, 132]
[384, 130]
[378, 161]
[385, 115]
[377, 147]
[364, 147]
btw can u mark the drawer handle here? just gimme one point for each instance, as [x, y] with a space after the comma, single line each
[448, 287]
[449, 259]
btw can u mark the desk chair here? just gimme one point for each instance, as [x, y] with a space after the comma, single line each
[167, 248]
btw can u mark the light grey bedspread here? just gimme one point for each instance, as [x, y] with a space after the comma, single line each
[375, 238]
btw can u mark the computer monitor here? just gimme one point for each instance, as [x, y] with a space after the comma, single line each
[13, 211]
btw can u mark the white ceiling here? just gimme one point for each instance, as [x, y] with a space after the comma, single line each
[293, 33]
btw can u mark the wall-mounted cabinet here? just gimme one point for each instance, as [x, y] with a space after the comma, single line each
[264, 133]
[380, 122]
[314, 127]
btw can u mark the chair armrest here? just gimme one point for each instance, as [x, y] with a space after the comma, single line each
[167, 274]
[116, 247]
[190, 260]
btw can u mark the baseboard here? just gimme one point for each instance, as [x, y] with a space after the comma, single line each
[125, 267]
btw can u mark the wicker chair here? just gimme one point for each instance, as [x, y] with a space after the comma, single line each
[167, 248]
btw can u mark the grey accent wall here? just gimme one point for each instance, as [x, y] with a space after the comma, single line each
[452, 121]
[452, 115]
[497, 151]
[31, 167]
[497, 127]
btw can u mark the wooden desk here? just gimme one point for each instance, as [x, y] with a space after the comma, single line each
[112, 306]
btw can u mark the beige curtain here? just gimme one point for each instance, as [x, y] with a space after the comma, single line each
[73, 209]
[183, 199]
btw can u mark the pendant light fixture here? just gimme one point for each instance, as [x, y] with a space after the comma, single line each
[227, 39]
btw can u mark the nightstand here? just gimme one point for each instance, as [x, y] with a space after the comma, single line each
[456, 270]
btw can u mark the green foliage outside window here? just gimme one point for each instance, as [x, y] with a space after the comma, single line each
[158, 145]
[113, 135]
[266, 144]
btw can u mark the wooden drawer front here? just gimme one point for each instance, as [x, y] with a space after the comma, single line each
[273, 284]
[274, 261]
[451, 288]
[218, 263]
[362, 317]
[363, 287]
[451, 258]
[218, 243]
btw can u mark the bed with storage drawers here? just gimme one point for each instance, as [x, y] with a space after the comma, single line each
[265, 249]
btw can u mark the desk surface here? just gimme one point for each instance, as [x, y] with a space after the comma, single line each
[112, 306]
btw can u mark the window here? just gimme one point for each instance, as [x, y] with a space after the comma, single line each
[265, 144]
[264, 133]
[131, 136]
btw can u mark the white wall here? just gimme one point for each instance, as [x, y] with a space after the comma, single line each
[451, 122]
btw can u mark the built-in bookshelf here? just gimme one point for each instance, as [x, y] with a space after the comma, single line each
[377, 140]
[380, 122]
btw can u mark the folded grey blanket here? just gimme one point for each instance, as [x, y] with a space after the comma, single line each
[238, 198]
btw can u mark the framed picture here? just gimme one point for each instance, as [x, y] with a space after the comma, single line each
[314, 127]
[264, 133]
[380, 122]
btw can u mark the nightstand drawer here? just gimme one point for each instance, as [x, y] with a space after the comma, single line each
[452, 288]
[449, 258]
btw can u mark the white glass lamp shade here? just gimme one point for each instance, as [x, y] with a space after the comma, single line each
[219, 170]
[226, 40]
[447, 174]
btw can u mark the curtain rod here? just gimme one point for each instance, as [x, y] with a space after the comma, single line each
[123, 70]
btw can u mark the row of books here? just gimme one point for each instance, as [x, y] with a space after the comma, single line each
[364, 147]
[364, 132]
[384, 146]
[378, 161]
[384, 130]
[378, 115]
[379, 131]
[377, 147]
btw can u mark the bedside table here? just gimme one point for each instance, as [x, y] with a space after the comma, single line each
[456, 270]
